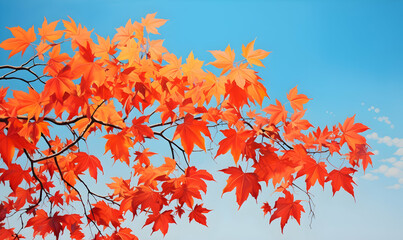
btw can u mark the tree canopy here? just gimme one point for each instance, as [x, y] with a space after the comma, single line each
[128, 92]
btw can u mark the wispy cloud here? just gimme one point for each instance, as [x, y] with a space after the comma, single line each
[385, 120]
[396, 187]
[372, 108]
[370, 177]
[394, 171]
[397, 142]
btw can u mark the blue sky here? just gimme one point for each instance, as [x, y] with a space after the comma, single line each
[346, 55]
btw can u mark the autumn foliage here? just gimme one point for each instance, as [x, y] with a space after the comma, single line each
[127, 93]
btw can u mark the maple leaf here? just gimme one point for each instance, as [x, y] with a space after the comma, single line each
[314, 172]
[322, 137]
[286, 207]
[104, 48]
[235, 141]
[271, 167]
[119, 145]
[193, 68]
[120, 186]
[277, 112]
[245, 184]
[242, 75]
[266, 208]
[254, 56]
[297, 100]
[44, 224]
[224, 59]
[60, 84]
[179, 210]
[85, 161]
[42, 48]
[161, 221]
[156, 49]
[21, 41]
[15, 174]
[147, 198]
[190, 133]
[123, 234]
[350, 133]
[56, 199]
[124, 34]
[189, 185]
[48, 33]
[360, 153]
[342, 178]
[55, 63]
[22, 197]
[143, 156]
[104, 215]
[27, 103]
[78, 34]
[9, 143]
[151, 23]
[197, 214]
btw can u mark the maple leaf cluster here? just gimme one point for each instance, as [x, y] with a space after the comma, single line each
[130, 90]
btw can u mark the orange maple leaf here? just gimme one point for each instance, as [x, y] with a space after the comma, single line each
[242, 75]
[278, 112]
[119, 145]
[190, 133]
[48, 33]
[224, 59]
[297, 100]
[254, 56]
[151, 23]
[21, 41]
[245, 184]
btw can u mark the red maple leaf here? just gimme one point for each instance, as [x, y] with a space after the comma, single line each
[350, 132]
[235, 140]
[161, 221]
[190, 133]
[198, 214]
[245, 184]
[286, 207]
[342, 178]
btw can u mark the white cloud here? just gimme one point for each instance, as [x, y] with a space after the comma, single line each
[396, 187]
[399, 152]
[375, 152]
[372, 108]
[394, 172]
[397, 142]
[370, 177]
[382, 169]
[401, 180]
[384, 119]
[389, 160]
[398, 164]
